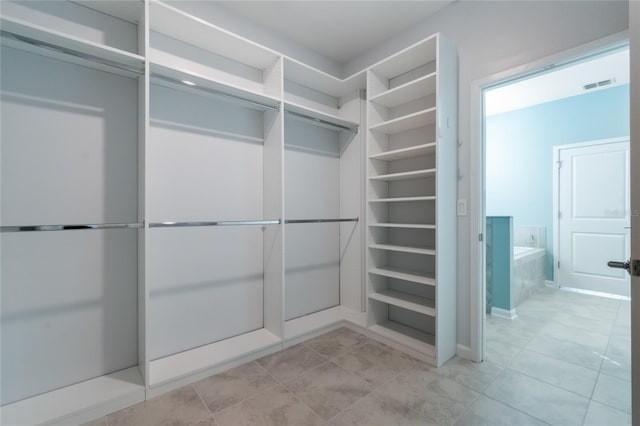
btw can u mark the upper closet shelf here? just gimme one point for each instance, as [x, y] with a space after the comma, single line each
[320, 118]
[168, 76]
[414, 174]
[320, 81]
[37, 39]
[403, 153]
[415, 89]
[408, 59]
[129, 11]
[406, 122]
[177, 24]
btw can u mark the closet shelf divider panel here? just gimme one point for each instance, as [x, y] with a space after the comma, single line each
[407, 122]
[421, 305]
[47, 42]
[415, 89]
[404, 153]
[401, 274]
[321, 81]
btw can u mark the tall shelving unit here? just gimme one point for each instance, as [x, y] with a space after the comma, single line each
[411, 192]
[180, 184]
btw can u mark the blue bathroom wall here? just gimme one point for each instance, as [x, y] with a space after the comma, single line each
[499, 262]
[519, 153]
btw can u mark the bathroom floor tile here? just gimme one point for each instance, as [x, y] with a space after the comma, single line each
[232, 386]
[329, 389]
[180, 407]
[562, 374]
[577, 335]
[617, 360]
[560, 348]
[487, 412]
[337, 342]
[613, 392]
[375, 362]
[538, 399]
[499, 351]
[276, 407]
[474, 375]
[602, 415]
[291, 362]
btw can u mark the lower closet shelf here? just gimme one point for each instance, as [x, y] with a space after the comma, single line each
[419, 304]
[184, 364]
[405, 249]
[407, 336]
[405, 275]
[75, 403]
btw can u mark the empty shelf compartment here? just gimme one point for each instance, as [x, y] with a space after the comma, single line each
[406, 275]
[404, 153]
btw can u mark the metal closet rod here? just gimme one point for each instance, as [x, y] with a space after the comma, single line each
[217, 93]
[322, 122]
[92, 226]
[71, 52]
[213, 223]
[352, 219]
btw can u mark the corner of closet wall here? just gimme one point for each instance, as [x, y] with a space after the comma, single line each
[75, 208]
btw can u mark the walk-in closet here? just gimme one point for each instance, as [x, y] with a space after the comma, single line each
[177, 199]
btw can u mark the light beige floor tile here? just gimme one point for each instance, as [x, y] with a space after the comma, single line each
[487, 412]
[538, 399]
[102, 421]
[614, 392]
[560, 348]
[617, 361]
[276, 407]
[515, 332]
[437, 400]
[565, 375]
[603, 415]
[499, 351]
[375, 362]
[474, 375]
[576, 335]
[291, 362]
[232, 386]
[329, 389]
[377, 409]
[337, 342]
[594, 325]
[179, 407]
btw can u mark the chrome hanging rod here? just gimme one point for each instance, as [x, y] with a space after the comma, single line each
[85, 226]
[353, 219]
[218, 94]
[71, 52]
[321, 122]
[214, 223]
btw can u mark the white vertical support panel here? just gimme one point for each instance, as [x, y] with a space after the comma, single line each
[446, 193]
[351, 197]
[273, 239]
[634, 29]
[143, 123]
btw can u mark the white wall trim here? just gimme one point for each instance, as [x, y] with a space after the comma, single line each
[509, 314]
[477, 283]
[463, 351]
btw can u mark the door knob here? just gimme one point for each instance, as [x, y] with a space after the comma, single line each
[621, 265]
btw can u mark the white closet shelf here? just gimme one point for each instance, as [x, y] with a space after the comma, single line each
[407, 59]
[116, 390]
[403, 153]
[411, 302]
[406, 275]
[403, 199]
[187, 79]
[404, 249]
[177, 24]
[407, 336]
[196, 360]
[55, 43]
[404, 225]
[321, 81]
[414, 174]
[415, 89]
[130, 11]
[406, 122]
[320, 116]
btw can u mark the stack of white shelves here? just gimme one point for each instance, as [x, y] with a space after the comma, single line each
[411, 194]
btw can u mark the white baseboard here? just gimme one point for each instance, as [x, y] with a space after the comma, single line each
[463, 351]
[552, 284]
[503, 313]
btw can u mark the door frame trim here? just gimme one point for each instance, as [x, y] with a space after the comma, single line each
[556, 192]
[477, 214]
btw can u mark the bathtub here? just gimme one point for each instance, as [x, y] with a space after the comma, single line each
[528, 273]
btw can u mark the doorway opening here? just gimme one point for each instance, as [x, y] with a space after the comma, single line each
[556, 176]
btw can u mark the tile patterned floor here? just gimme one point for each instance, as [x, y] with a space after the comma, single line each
[564, 361]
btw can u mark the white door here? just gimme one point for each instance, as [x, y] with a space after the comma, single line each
[593, 218]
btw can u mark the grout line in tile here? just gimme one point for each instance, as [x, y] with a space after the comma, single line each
[553, 385]
[516, 409]
[301, 401]
[604, 403]
[248, 398]
[203, 403]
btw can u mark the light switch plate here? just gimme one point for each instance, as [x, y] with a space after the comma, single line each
[461, 207]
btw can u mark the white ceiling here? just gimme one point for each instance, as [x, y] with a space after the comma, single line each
[338, 30]
[562, 83]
